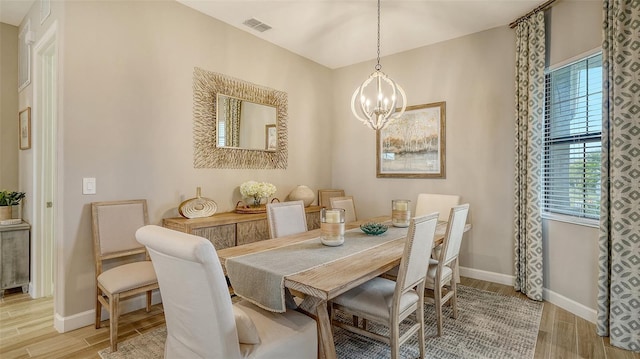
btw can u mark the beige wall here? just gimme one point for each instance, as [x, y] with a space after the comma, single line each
[128, 104]
[9, 107]
[571, 251]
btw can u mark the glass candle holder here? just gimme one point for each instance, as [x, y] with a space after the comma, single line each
[400, 212]
[332, 226]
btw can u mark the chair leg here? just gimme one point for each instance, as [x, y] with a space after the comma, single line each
[98, 310]
[395, 338]
[421, 332]
[148, 301]
[355, 321]
[437, 297]
[114, 313]
[454, 298]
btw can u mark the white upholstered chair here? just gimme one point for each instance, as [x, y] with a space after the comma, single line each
[114, 224]
[286, 218]
[201, 320]
[346, 203]
[390, 302]
[440, 273]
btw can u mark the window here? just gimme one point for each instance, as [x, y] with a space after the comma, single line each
[572, 139]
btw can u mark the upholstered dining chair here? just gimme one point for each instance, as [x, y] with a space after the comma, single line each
[201, 320]
[286, 218]
[346, 203]
[390, 302]
[114, 224]
[441, 271]
[324, 196]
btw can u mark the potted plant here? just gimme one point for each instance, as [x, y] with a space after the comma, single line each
[7, 200]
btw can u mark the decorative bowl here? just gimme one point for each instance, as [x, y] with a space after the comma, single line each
[374, 228]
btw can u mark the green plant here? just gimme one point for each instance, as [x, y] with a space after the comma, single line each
[10, 198]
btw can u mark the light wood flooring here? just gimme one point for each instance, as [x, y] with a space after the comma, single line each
[26, 330]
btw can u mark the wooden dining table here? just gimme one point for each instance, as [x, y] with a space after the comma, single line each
[324, 282]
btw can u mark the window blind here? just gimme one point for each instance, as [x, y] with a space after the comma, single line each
[572, 139]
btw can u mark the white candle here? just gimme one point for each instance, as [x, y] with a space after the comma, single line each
[401, 206]
[332, 217]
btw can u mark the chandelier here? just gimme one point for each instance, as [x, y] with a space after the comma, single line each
[374, 102]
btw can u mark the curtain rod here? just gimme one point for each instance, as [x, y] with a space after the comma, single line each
[544, 6]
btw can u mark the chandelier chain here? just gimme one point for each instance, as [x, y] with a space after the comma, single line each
[378, 66]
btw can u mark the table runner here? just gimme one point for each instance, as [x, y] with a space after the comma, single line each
[259, 277]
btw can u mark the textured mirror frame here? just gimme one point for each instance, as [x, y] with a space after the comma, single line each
[206, 86]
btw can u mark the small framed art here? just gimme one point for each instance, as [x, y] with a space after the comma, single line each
[24, 118]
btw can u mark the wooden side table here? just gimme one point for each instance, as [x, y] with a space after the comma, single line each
[14, 256]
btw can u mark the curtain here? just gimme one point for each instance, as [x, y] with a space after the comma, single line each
[619, 241]
[231, 113]
[529, 116]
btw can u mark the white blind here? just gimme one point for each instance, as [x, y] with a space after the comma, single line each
[572, 142]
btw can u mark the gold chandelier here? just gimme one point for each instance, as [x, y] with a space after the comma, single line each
[374, 102]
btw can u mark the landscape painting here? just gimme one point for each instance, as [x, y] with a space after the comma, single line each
[413, 146]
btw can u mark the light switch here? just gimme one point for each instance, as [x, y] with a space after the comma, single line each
[89, 185]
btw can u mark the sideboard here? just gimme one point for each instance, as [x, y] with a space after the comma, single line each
[14, 257]
[231, 229]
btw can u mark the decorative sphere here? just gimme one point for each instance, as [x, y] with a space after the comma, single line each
[302, 193]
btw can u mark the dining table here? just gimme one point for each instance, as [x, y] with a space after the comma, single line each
[267, 272]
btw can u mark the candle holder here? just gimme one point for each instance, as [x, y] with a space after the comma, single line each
[332, 226]
[400, 212]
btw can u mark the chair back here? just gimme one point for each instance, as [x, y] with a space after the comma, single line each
[286, 218]
[441, 203]
[324, 196]
[455, 230]
[195, 296]
[417, 248]
[114, 225]
[346, 203]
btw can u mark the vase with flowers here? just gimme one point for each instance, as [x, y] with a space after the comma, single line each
[257, 192]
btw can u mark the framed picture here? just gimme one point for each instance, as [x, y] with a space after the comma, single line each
[413, 146]
[271, 137]
[24, 117]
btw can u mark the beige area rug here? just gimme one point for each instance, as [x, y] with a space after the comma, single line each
[489, 325]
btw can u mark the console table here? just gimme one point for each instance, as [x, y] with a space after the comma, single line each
[231, 229]
[14, 257]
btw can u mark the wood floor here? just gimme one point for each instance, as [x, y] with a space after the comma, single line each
[26, 330]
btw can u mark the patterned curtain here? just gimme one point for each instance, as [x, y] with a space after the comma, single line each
[530, 62]
[231, 110]
[619, 244]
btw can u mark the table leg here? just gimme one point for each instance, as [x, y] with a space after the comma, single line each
[318, 307]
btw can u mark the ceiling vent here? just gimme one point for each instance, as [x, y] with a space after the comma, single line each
[257, 25]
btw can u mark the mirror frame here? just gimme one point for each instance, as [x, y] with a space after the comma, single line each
[206, 87]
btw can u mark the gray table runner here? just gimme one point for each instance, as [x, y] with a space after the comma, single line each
[259, 277]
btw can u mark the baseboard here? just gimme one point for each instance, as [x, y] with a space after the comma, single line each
[554, 298]
[570, 305]
[65, 324]
[487, 276]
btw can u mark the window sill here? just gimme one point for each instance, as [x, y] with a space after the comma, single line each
[587, 222]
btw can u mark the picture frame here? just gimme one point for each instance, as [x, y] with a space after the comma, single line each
[24, 118]
[413, 146]
[271, 137]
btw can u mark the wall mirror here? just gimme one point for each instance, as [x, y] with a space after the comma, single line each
[238, 124]
[243, 124]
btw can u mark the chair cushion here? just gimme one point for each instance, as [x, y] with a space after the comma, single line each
[128, 276]
[447, 273]
[289, 335]
[375, 298]
[247, 332]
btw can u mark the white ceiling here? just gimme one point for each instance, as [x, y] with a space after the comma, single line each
[338, 33]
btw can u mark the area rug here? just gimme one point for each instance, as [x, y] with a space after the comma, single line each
[489, 325]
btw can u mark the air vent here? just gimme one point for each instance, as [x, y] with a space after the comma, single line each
[257, 25]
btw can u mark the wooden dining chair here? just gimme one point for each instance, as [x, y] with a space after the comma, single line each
[286, 218]
[346, 203]
[390, 302]
[440, 274]
[201, 320]
[324, 196]
[114, 225]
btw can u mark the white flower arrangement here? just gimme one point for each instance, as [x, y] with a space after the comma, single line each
[257, 191]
